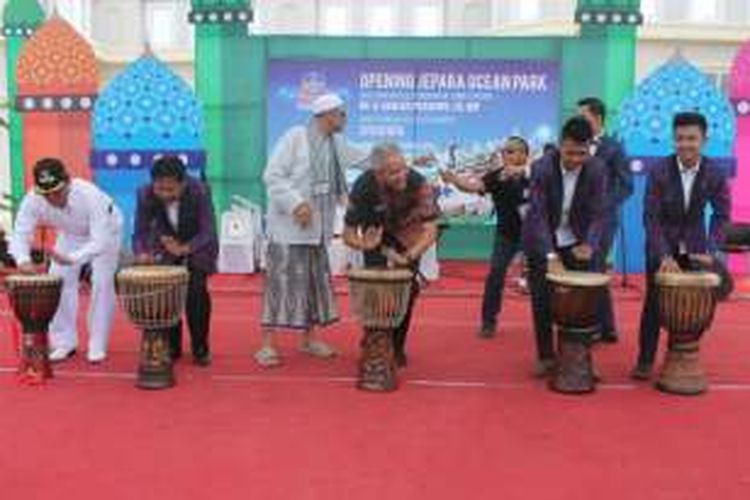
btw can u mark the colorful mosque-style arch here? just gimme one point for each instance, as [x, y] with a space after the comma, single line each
[645, 128]
[147, 111]
[58, 81]
[740, 96]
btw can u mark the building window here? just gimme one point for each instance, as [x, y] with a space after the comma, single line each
[529, 10]
[381, 21]
[704, 11]
[477, 17]
[335, 20]
[161, 24]
[428, 20]
[76, 12]
[648, 9]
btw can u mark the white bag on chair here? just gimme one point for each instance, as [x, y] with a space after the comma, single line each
[237, 242]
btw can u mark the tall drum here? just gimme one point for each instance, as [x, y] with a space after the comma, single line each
[380, 299]
[34, 299]
[154, 298]
[575, 301]
[687, 302]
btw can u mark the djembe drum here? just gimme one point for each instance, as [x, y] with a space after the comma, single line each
[34, 299]
[575, 303]
[154, 298]
[380, 299]
[687, 302]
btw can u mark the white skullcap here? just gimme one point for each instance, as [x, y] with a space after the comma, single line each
[326, 103]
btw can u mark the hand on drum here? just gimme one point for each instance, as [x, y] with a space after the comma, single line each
[583, 252]
[555, 266]
[174, 247]
[144, 259]
[703, 259]
[395, 258]
[669, 265]
[370, 238]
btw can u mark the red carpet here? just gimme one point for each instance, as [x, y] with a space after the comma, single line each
[468, 421]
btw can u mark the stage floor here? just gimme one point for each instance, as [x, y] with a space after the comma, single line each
[468, 422]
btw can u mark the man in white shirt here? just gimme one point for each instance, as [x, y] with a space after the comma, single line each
[89, 231]
[305, 179]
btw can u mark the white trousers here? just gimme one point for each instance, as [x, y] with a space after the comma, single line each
[63, 329]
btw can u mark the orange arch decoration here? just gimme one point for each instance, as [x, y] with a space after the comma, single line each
[58, 81]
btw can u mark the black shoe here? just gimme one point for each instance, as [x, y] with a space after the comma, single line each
[544, 368]
[401, 360]
[609, 338]
[487, 332]
[642, 371]
[175, 355]
[203, 359]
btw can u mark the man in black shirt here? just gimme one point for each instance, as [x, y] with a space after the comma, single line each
[508, 186]
[392, 218]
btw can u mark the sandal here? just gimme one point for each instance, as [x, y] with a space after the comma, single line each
[267, 357]
[318, 349]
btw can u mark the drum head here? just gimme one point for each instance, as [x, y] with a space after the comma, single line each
[688, 279]
[380, 274]
[579, 279]
[146, 272]
[19, 280]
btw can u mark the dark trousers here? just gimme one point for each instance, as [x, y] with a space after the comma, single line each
[504, 250]
[606, 312]
[399, 334]
[198, 314]
[540, 297]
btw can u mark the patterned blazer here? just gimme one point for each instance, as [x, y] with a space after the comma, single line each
[668, 222]
[587, 212]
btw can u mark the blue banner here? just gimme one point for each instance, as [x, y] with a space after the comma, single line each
[458, 111]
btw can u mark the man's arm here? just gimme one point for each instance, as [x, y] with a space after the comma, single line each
[467, 184]
[23, 232]
[427, 238]
[656, 242]
[537, 236]
[277, 175]
[206, 223]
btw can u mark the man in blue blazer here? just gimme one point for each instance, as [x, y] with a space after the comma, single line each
[564, 224]
[679, 189]
[619, 189]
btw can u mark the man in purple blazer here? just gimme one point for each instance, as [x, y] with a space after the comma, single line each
[174, 224]
[678, 191]
[564, 224]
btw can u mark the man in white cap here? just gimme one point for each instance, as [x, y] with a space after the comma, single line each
[305, 179]
[89, 231]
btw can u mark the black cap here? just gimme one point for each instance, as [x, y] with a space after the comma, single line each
[49, 176]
